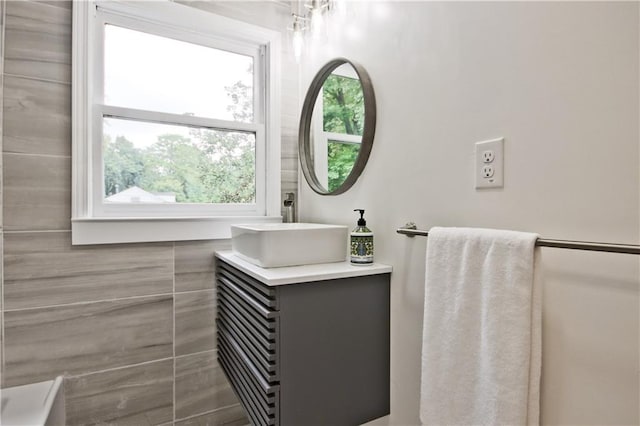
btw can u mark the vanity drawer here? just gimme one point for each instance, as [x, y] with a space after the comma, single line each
[248, 326]
[259, 397]
[264, 359]
[260, 293]
[234, 298]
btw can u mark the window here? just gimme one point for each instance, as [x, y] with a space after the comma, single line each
[175, 123]
[338, 126]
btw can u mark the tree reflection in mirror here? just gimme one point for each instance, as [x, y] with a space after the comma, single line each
[338, 118]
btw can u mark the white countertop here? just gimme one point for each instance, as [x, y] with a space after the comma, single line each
[305, 273]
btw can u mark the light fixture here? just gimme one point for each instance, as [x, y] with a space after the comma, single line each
[312, 13]
[317, 8]
[297, 41]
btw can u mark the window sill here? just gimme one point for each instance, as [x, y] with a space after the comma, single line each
[138, 230]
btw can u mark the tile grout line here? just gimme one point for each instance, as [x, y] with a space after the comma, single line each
[91, 302]
[193, 416]
[196, 353]
[195, 291]
[2, 343]
[43, 80]
[30, 154]
[122, 367]
[42, 231]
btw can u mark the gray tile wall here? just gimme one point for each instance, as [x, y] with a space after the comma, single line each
[2, 10]
[130, 326]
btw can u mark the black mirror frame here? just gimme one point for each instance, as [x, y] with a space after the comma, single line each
[304, 134]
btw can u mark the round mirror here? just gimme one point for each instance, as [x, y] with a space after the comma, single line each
[336, 127]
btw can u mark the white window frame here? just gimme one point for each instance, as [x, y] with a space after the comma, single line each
[96, 222]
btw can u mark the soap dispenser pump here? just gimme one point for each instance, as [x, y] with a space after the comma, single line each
[361, 242]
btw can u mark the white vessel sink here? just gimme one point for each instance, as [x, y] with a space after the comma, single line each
[34, 404]
[272, 245]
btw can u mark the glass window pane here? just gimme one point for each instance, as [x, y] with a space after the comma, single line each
[343, 105]
[157, 164]
[340, 160]
[145, 71]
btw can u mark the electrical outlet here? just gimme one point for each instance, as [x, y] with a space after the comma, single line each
[487, 172]
[488, 156]
[490, 164]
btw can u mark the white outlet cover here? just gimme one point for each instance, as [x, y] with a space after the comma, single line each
[497, 165]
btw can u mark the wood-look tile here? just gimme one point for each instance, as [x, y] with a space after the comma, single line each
[291, 104]
[37, 192]
[1, 360]
[2, 7]
[1, 173]
[67, 4]
[195, 322]
[289, 126]
[290, 151]
[227, 416]
[138, 395]
[37, 116]
[1, 302]
[77, 339]
[289, 145]
[195, 264]
[289, 180]
[44, 269]
[38, 40]
[289, 163]
[201, 386]
[1, 277]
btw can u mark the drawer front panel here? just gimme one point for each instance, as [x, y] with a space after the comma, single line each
[247, 394]
[248, 326]
[265, 326]
[260, 292]
[260, 359]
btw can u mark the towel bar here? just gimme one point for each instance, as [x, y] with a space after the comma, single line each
[410, 230]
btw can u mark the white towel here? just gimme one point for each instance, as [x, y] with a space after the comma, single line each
[481, 348]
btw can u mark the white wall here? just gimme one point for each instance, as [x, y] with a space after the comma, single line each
[560, 82]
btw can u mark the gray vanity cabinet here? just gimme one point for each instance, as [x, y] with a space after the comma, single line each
[311, 353]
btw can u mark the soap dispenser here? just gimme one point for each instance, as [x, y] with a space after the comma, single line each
[361, 242]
